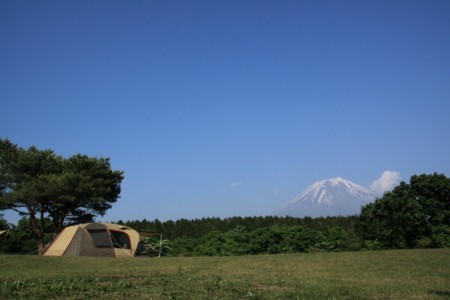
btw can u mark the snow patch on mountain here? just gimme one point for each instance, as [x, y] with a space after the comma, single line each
[330, 197]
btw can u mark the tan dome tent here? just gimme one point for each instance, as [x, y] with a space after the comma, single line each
[95, 239]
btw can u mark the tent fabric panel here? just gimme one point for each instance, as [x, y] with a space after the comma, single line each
[89, 248]
[3, 231]
[76, 243]
[135, 238]
[119, 252]
[133, 235]
[94, 226]
[61, 242]
[101, 238]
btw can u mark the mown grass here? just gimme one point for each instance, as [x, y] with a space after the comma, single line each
[405, 274]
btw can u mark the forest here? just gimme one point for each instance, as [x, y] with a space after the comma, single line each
[412, 215]
[229, 236]
[50, 192]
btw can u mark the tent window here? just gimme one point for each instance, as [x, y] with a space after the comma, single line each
[100, 237]
[120, 240]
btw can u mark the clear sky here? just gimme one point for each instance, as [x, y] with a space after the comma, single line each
[226, 108]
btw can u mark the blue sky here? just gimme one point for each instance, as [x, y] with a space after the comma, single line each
[225, 108]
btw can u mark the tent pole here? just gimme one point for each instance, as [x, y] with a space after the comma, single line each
[160, 244]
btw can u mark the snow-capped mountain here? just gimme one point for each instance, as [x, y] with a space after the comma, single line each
[330, 197]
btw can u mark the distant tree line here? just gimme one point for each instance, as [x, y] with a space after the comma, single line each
[198, 228]
[250, 235]
[265, 240]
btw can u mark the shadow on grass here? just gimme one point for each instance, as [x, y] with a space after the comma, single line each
[443, 294]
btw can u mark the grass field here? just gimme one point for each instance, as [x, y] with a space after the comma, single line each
[405, 274]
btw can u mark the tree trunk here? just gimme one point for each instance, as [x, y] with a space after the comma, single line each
[38, 231]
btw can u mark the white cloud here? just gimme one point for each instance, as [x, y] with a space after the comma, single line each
[236, 184]
[387, 181]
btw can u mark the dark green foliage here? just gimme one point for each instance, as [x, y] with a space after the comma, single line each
[440, 236]
[233, 242]
[254, 235]
[412, 215]
[272, 240]
[286, 239]
[22, 240]
[40, 184]
[3, 223]
[185, 246]
[198, 228]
